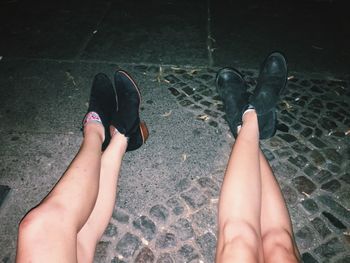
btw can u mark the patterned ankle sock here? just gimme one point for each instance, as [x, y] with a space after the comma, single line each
[91, 116]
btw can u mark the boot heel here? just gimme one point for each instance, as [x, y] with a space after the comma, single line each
[144, 131]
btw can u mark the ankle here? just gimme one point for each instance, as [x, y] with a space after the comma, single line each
[249, 115]
[118, 140]
[96, 128]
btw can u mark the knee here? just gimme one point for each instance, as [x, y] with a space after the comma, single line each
[38, 222]
[239, 241]
[241, 236]
[30, 225]
[234, 230]
[279, 244]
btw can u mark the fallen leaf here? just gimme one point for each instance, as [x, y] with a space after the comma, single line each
[306, 194]
[70, 78]
[287, 105]
[144, 241]
[194, 71]
[167, 114]
[317, 47]
[203, 117]
[213, 39]
[214, 200]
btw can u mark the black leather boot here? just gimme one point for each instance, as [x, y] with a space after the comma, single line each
[233, 91]
[272, 81]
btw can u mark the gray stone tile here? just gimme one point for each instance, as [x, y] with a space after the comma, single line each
[335, 206]
[145, 256]
[147, 32]
[128, 245]
[330, 249]
[243, 33]
[55, 29]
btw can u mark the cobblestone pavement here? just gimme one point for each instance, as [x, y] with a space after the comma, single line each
[309, 154]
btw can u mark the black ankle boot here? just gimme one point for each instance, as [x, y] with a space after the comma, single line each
[103, 101]
[233, 92]
[126, 120]
[271, 83]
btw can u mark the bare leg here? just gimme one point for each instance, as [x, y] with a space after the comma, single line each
[240, 199]
[276, 227]
[92, 231]
[48, 232]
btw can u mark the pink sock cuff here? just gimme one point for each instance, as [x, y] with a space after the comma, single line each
[91, 116]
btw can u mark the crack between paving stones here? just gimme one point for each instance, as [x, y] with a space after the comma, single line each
[209, 37]
[90, 36]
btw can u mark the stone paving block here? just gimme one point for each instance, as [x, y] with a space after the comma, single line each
[289, 194]
[207, 244]
[120, 216]
[145, 256]
[320, 227]
[335, 207]
[310, 205]
[111, 230]
[194, 198]
[117, 260]
[344, 198]
[334, 221]
[187, 253]
[165, 258]
[304, 185]
[205, 219]
[101, 251]
[175, 205]
[146, 226]
[304, 237]
[166, 241]
[330, 249]
[183, 229]
[308, 258]
[331, 186]
[159, 213]
[128, 245]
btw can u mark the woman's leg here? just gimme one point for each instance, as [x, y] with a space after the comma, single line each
[276, 227]
[127, 121]
[240, 199]
[48, 232]
[92, 231]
